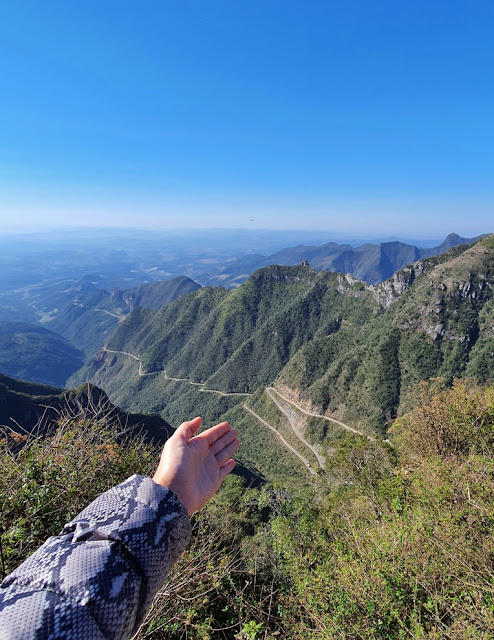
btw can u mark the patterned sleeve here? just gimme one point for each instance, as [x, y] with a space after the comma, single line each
[96, 580]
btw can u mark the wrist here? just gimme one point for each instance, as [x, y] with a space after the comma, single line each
[173, 486]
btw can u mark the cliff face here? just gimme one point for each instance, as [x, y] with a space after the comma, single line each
[389, 291]
[452, 297]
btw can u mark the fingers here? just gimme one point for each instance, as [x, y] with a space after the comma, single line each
[187, 429]
[214, 433]
[223, 456]
[226, 469]
[223, 441]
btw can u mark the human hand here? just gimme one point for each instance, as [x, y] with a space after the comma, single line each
[194, 467]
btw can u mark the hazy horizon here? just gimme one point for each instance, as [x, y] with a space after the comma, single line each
[403, 223]
[283, 237]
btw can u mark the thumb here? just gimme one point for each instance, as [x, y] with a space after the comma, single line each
[187, 429]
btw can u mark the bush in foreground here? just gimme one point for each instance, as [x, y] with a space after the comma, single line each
[391, 543]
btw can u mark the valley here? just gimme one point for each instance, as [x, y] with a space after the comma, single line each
[317, 354]
[272, 393]
[313, 354]
[247, 321]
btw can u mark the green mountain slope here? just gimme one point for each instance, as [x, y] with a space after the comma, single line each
[441, 325]
[33, 353]
[155, 294]
[239, 340]
[90, 319]
[331, 344]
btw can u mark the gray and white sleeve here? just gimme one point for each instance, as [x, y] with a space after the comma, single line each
[96, 580]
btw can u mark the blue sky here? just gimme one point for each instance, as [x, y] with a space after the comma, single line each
[339, 115]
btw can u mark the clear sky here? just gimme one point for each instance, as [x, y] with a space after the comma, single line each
[334, 114]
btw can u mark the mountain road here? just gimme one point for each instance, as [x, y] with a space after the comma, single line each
[280, 437]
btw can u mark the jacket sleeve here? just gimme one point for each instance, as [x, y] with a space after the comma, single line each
[96, 580]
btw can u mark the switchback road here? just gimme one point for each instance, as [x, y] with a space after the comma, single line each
[167, 377]
[318, 415]
[280, 437]
[271, 391]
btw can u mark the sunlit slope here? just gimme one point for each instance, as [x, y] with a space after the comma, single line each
[332, 343]
[239, 340]
[89, 319]
[441, 324]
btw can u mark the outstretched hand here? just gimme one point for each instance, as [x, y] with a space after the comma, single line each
[194, 467]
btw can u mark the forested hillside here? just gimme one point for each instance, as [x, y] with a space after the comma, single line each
[331, 345]
[349, 535]
[90, 318]
[33, 353]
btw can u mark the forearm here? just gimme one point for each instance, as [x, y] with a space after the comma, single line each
[103, 570]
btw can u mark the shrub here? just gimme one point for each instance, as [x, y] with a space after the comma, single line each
[448, 422]
[46, 480]
[211, 593]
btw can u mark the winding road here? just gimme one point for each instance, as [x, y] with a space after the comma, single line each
[272, 393]
[108, 313]
[291, 421]
[167, 377]
[280, 437]
[315, 415]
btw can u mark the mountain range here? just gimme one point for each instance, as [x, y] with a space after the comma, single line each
[333, 345]
[360, 534]
[372, 263]
[51, 352]
[40, 276]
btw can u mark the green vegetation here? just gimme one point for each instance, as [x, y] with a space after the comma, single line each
[46, 482]
[262, 404]
[391, 542]
[89, 320]
[387, 541]
[320, 431]
[261, 451]
[344, 349]
[33, 353]
[35, 408]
